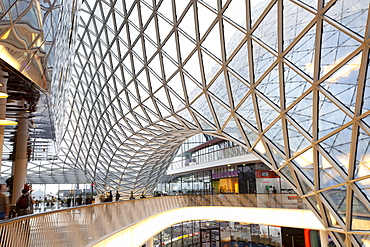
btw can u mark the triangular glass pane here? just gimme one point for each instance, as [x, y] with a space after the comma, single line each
[362, 154]
[219, 88]
[366, 100]
[307, 188]
[251, 136]
[302, 112]
[146, 12]
[335, 46]
[161, 97]
[311, 3]
[297, 141]
[165, 28]
[233, 130]
[359, 213]
[221, 112]
[337, 199]
[269, 86]
[186, 47]
[170, 48]
[186, 115]
[187, 24]
[150, 32]
[262, 60]
[338, 147]
[304, 162]
[212, 3]
[267, 29]
[288, 175]
[211, 67]
[150, 49]
[232, 37]
[192, 88]
[175, 83]
[205, 125]
[275, 134]
[246, 111]
[257, 7]
[240, 63]
[166, 9]
[176, 102]
[302, 54]
[313, 201]
[267, 113]
[213, 43]
[192, 66]
[279, 160]
[260, 149]
[202, 107]
[328, 175]
[205, 19]
[235, 6]
[351, 14]
[295, 85]
[330, 117]
[238, 88]
[364, 240]
[170, 67]
[180, 7]
[295, 19]
[163, 110]
[134, 16]
[364, 186]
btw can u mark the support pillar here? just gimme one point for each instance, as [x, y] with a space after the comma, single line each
[3, 83]
[20, 163]
[324, 238]
[149, 243]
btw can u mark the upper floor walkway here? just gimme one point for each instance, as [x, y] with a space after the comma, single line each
[140, 219]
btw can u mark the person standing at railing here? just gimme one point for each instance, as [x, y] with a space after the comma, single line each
[4, 203]
[24, 203]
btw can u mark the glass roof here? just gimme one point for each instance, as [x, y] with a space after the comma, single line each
[287, 80]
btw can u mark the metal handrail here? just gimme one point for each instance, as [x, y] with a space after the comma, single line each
[84, 225]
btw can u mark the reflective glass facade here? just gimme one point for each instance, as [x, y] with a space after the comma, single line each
[286, 80]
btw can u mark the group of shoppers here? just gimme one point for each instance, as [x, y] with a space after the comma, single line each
[24, 204]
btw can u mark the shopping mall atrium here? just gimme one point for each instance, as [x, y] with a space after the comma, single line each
[210, 111]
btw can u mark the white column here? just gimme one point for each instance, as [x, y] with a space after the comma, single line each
[324, 238]
[20, 162]
[3, 83]
[149, 243]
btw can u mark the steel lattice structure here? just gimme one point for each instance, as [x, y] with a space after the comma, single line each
[288, 80]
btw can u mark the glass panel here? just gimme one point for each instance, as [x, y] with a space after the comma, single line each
[302, 113]
[267, 29]
[335, 46]
[351, 14]
[295, 20]
[328, 175]
[345, 80]
[360, 214]
[330, 116]
[362, 155]
[337, 199]
[294, 85]
[338, 147]
[269, 86]
[262, 60]
[267, 113]
[302, 54]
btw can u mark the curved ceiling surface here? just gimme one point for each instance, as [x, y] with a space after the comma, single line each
[287, 80]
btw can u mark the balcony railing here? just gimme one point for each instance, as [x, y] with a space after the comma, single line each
[200, 158]
[85, 225]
